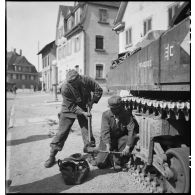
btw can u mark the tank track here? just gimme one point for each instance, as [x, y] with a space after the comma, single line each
[164, 109]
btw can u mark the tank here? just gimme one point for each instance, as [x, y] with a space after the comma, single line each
[157, 74]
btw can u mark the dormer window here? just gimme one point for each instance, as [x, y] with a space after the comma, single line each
[69, 23]
[103, 14]
[77, 16]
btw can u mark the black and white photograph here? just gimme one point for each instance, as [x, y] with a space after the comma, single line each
[98, 97]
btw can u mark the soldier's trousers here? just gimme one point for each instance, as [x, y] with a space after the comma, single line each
[65, 125]
[105, 160]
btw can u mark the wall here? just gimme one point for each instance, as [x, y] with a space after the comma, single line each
[94, 28]
[136, 13]
[69, 62]
[47, 71]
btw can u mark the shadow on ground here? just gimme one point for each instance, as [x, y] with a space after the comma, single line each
[53, 184]
[28, 139]
[47, 185]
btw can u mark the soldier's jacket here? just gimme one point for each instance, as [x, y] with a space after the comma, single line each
[75, 99]
[112, 129]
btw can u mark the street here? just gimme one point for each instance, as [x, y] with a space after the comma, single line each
[35, 122]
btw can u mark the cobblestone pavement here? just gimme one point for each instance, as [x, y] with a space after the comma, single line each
[28, 147]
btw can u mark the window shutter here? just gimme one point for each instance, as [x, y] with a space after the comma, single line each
[130, 36]
[149, 24]
[127, 37]
[170, 15]
[144, 28]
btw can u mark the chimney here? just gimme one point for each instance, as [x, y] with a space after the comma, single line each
[20, 52]
[14, 50]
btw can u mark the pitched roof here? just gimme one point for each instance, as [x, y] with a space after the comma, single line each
[65, 9]
[49, 45]
[15, 59]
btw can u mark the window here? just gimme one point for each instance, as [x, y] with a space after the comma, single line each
[171, 12]
[77, 68]
[48, 62]
[23, 77]
[69, 47]
[77, 16]
[103, 16]
[99, 71]
[128, 36]
[77, 44]
[19, 68]
[14, 76]
[147, 25]
[32, 77]
[99, 42]
[15, 68]
[69, 23]
[60, 32]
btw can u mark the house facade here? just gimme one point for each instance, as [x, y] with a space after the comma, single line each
[136, 19]
[20, 72]
[48, 56]
[85, 40]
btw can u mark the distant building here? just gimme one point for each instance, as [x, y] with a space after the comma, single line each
[85, 40]
[136, 19]
[48, 55]
[20, 72]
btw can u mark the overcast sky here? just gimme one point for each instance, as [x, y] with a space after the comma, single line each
[30, 22]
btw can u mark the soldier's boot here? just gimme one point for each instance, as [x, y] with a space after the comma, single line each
[51, 161]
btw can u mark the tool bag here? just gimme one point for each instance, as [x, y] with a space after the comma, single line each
[74, 169]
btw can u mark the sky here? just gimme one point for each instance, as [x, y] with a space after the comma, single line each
[29, 23]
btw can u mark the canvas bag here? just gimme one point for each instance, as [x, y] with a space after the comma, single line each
[74, 169]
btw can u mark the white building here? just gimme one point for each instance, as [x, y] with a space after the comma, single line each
[85, 40]
[135, 19]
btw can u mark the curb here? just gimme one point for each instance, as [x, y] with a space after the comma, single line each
[11, 120]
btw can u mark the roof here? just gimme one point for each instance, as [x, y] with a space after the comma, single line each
[14, 58]
[64, 9]
[115, 4]
[46, 47]
[121, 12]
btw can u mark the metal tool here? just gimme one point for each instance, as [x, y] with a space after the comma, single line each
[89, 124]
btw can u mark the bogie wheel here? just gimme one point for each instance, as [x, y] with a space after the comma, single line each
[178, 160]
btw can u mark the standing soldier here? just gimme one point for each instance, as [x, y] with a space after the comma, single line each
[118, 131]
[76, 93]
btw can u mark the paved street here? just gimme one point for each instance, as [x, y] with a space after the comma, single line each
[28, 148]
[10, 101]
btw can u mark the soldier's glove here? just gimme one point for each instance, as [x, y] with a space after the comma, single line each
[125, 151]
[86, 114]
[90, 104]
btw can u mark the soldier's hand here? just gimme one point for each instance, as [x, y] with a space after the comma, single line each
[125, 151]
[86, 114]
[90, 104]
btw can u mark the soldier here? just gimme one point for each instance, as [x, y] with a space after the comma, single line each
[118, 130]
[76, 93]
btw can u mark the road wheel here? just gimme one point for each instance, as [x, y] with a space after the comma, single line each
[178, 160]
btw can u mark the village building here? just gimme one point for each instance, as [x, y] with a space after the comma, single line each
[48, 56]
[85, 40]
[20, 72]
[135, 20]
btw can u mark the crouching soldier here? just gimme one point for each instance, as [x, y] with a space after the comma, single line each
[76, 94]
[118, 130]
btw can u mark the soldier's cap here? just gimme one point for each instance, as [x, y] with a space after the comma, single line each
[72, 75]
[115, 102]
